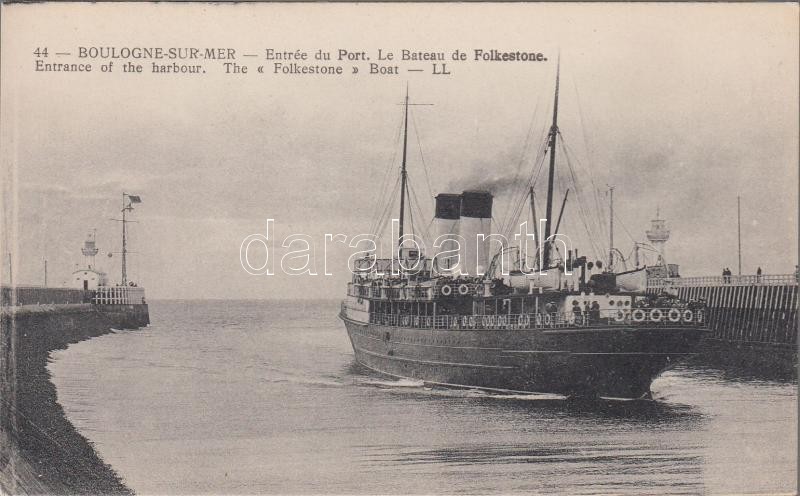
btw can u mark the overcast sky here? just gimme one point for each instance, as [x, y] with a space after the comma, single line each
[679, 107]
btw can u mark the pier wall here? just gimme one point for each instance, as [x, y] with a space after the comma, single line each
[752, 320]
[40, 450]
[38, 295]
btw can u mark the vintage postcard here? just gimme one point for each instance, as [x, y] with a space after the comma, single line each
[385, 248]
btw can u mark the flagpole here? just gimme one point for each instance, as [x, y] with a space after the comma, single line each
[739, 229]
[124, 243]
[127, 205]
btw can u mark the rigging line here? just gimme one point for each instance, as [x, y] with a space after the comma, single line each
[381, 224]
[568, 150]
[390, 205]
[378, 211]
[424, 228]
[525, 148]
[616, 216]
[534, 177]
[419, 204]
[382, 227]
[536, 172]
[426, 233]
[601, 210]
[630, 255]
[391, 166]
[516, 208]
[581, 206]
[531, 182]
[599, 206]
[589, 152]
[385, 181]
[518, 198]
[522, 205]
[421, 227]
[383, 192]
[513, 218]
[555, 252]
[582, 209]
[421, 155]
[428, 228]
[410, 207]
[522, 189]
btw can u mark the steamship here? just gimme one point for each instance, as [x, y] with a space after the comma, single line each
[566, 327]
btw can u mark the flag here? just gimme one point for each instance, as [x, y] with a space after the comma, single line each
[135, 198]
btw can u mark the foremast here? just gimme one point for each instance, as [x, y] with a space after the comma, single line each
[403, 172]
[551, 176]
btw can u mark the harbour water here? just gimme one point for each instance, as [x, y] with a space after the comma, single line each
[234, 397]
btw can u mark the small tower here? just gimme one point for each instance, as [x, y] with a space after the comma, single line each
[89, 249]
[89, 277]
[658, 235]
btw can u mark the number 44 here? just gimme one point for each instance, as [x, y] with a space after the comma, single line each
[40, 52]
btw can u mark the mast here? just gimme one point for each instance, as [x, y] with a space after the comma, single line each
[127, 206]
[124, 243]
[611, 229]
[403, 173]
[551, 175]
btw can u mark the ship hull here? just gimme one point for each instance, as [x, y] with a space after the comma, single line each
[612, 361]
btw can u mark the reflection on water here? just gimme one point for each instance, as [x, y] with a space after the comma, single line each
[230, 398]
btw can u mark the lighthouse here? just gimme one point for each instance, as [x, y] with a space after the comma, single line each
[658, 235]
[89, 276]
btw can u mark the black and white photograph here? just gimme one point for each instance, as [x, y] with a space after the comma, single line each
[399, 248]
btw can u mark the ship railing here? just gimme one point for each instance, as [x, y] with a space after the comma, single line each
[679, 317]
[358, 290]
[415, 292]
[411, 292]
[747, 280]
[369, 264]
[118, 295]
[392, 266]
